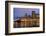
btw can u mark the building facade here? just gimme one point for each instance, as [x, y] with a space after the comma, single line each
[28, 21]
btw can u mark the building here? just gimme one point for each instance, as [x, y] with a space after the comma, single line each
[28, 21]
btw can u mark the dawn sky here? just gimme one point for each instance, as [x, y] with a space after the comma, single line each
[21, 11]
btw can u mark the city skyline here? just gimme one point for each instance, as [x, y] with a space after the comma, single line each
[18, 12]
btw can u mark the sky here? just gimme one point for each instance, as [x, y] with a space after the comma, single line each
[18, 12]
[21, 11]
